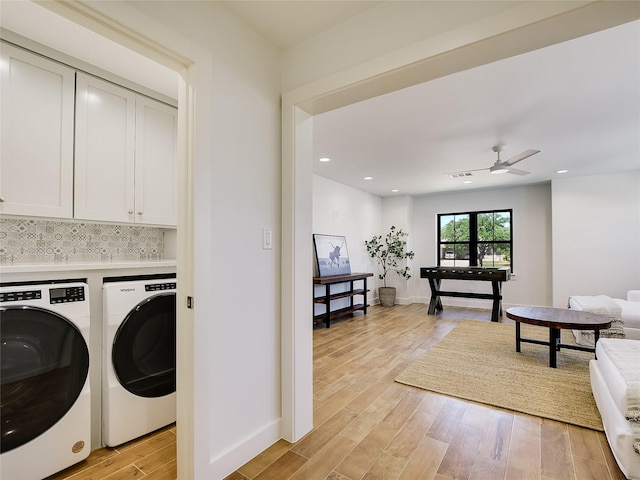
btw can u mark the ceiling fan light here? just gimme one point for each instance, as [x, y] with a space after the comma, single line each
[498, 169]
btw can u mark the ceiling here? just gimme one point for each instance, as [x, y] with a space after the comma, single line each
[38, 23]
[577, 102]
[286, 23]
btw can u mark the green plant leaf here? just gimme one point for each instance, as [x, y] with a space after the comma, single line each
[389, 251]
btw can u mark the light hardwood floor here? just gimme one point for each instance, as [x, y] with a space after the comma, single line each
[152, 457]
[366, 426]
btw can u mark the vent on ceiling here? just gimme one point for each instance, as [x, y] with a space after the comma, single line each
[460, 174]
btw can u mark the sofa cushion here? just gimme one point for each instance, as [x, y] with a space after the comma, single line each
[630, 313]
[623, 356]
[633, 296]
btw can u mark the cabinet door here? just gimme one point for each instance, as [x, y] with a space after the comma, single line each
[156, 182]
[105, 136]
[36, 159]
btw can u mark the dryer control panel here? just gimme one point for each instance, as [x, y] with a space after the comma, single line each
[66, 294]
[160, 286]
[20, 296]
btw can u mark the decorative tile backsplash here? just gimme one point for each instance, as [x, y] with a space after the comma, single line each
[30, 241]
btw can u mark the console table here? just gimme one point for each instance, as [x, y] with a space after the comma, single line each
[494, 275]
[326, 299]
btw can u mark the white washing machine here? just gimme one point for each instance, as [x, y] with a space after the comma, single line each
[139, 356]
[45, 412]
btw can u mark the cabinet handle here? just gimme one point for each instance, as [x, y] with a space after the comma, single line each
[1, 199]
[130, 212]
[139, 213]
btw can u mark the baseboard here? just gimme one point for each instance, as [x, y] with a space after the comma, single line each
[237, 455]
[446, 301]
[449, 302]
[399, 301]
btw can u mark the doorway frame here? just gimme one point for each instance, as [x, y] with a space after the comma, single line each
[188, 76]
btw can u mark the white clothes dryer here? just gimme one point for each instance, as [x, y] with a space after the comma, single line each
[45, 412]
[139, 356]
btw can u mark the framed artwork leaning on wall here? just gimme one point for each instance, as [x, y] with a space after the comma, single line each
[332, 256]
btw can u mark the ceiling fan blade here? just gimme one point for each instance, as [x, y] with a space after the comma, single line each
[520, 156]
[516, 171]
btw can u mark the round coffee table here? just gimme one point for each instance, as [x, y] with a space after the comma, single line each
[556, 319]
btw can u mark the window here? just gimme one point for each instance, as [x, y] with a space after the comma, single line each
[476, 239]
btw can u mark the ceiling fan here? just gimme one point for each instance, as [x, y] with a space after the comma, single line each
[501, 166]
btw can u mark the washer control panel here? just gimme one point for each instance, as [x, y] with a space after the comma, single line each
[20, 296]
[160, 286]
[66, 294]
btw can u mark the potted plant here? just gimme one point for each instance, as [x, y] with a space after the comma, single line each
[389, 251]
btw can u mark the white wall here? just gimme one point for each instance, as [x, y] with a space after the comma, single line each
[397, 211]
[579, 236]
[531, 243]
[342, 210]
[596, 236]
[361, 215]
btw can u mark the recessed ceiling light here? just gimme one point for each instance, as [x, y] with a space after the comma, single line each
[562, 171]
[395, 190]
[324, 159]
[467, 181]
[368, 178]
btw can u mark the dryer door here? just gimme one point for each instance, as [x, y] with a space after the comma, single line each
[144, 347]
[43, 368]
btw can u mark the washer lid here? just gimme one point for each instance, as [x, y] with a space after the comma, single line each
[144, 347]
[44, 363]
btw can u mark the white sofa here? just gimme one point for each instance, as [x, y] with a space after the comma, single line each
[615, 382]
[631, 314]
[629, 310]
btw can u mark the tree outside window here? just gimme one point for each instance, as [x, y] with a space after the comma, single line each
[477, 239]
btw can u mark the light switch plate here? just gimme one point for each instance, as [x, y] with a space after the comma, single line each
[267, 239]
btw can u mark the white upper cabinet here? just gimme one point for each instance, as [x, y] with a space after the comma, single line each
[156, 196]
[36, 159]
[125, 155]
[105, 139]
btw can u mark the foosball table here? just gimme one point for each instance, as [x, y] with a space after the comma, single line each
[496, 276]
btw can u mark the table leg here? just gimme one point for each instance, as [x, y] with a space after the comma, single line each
[327, 303]
[554, 341]
[596, 337]
[496, 309]
[435, 303]
[364, 309]
[517, 336]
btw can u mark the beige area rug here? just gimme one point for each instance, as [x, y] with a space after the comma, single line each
[478, 361]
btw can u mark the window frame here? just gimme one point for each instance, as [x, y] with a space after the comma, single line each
[473, 235]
